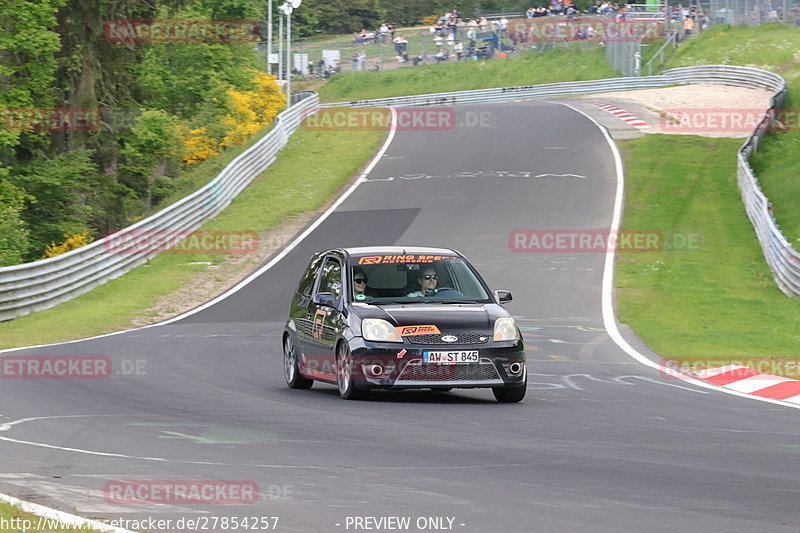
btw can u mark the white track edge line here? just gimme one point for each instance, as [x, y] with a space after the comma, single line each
[609, 316]
[288, 248]
[74, 521]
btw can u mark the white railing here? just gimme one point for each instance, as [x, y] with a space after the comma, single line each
[43, 284]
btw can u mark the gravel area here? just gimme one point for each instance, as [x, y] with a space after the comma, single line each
[703, 109]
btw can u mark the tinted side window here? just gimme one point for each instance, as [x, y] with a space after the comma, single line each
[330, 279]
[306, 284]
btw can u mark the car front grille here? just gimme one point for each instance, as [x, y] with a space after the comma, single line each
[463, 338]
[418, 371]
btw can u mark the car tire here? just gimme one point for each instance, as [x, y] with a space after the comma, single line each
[510, 394]
[291, 367]
[344, 375]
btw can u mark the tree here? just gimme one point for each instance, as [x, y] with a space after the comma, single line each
[346, 16]
[13, 232]
[149, 146]
[27, 65]
[56, 192]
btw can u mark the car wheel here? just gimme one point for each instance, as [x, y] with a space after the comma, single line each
[291, 370]
[510, 394]
[344, 375]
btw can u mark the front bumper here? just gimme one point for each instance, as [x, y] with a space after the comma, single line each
[401, 366]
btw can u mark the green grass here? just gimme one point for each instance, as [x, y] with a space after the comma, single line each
[717, 301]
[312, 167]
[573, 64]
[777, 166]
[770, 47]
[776, 48]
[10, 512]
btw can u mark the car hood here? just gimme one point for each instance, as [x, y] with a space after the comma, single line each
[447, 317]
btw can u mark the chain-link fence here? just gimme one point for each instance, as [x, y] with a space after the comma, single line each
[374, 51]
[755, 12]
[625, 56]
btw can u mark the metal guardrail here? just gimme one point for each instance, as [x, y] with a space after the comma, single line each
[781, 256]
[43, 284]
[719, 74]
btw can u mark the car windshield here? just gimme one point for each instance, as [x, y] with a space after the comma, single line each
[410, 279]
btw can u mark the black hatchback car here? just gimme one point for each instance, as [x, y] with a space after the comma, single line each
[401, 318]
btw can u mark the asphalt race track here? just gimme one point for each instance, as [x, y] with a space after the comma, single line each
[601, 443]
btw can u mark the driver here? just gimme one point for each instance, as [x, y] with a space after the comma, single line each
[427, 281]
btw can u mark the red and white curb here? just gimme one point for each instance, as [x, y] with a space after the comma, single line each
[750, 381]
[622, 115]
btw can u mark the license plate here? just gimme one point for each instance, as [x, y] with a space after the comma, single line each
[451, 358]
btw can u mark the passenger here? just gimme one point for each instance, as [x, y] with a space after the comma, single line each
[427, 282]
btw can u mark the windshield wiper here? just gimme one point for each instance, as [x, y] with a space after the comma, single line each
[450, 302]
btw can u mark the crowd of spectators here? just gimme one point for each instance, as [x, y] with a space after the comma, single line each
[381, 35]
[459, 38]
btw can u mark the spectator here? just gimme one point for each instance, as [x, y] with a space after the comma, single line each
[688, 26]
[362, 60]
[400, 44]
[503, 26]
[441, 55]
[459, 50]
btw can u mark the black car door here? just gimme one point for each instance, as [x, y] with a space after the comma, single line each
[301, 302]
[326, 319]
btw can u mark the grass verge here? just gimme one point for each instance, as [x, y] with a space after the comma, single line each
[776, 48]
[572, 64]
[15, 517]
[713, 302]
[306, 174]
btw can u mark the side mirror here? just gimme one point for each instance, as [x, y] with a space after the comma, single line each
[324, 298]
[503, 296]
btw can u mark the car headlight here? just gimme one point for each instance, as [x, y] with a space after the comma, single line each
[505, 330]
[376, 329]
